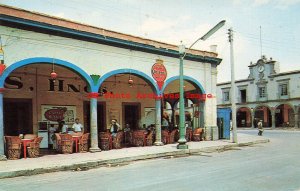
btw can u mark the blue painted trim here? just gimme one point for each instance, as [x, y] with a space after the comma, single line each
[129, 71]
[190, 79]
[108, 40]
[38, 60]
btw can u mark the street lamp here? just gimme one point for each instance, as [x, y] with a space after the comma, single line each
[182, 53]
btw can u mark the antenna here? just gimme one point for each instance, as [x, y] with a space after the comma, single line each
[260, 41]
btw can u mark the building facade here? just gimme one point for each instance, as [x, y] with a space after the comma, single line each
[266, 95]
[55, 69]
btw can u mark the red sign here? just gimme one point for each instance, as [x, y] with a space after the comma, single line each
[209, 95]
[159, 73]
[56, 114]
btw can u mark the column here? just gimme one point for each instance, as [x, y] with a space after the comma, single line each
[158, 122]
[296, 116]
[252, 118]
[273, 118]
[201, 117]
[94, 129]
[2, 155]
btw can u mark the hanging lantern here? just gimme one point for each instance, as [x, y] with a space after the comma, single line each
[130, 81]
[53, 74]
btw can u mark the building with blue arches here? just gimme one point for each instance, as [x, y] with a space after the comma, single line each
[57, 69]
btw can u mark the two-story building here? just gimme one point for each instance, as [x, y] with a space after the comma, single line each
[266, 95]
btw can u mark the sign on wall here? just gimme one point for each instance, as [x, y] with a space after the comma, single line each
[55, 113]
[159, 73]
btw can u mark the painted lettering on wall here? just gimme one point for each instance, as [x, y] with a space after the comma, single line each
[13, 82]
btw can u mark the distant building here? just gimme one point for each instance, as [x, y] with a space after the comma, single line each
[266, 95]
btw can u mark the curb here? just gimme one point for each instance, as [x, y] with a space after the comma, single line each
[120, 161]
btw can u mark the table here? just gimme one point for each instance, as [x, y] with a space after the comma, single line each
[25, 142]
[76, 139]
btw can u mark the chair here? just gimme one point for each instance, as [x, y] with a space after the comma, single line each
[30, 136]
[57, 142]
[13, 147]
[149, 139]
[174, 136]
[165, 137]
[117, 140]
[138, 138]
[197, 134]
[33, 147]
[188, 134]
[105, 141]
[83, 143]
[66, 143]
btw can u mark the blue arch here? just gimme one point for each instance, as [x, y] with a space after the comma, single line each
[190, 79]
[129, 71]
[37, 60]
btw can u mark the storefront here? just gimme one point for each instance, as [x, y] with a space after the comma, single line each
[99, 76]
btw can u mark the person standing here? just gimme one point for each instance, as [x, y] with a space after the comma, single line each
[77, 127]
[260, 127]
[114, 127]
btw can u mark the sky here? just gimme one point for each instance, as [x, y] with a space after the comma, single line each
[275, 22]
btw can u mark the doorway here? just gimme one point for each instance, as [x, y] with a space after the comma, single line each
[131, 114]
[101, 116]
[17, 116]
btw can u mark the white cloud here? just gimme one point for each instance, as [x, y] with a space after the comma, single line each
[261, 2]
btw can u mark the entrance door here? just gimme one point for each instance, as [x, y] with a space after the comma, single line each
[101, 119]
[223, 122]
[17, 116]
[131, 114]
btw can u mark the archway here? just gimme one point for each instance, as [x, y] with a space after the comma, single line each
[243, 117]
[31, 94]
[194, 101]
[284, 116]
[263, 113]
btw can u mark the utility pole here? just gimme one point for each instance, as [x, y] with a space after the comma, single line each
[233, 106]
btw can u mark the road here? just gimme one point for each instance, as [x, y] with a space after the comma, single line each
[271, 166]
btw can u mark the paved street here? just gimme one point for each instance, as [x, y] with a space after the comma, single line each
[271, 166]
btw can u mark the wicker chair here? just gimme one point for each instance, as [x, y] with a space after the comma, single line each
[174, 136]
[188, 134]
[138, 138]
[33, 148]
[165, 137]
[30, 136]
[105, 141]
[117, 140]
[197, 134]
[66, 143]
[83, 143]
[13, 147]
[149, 139]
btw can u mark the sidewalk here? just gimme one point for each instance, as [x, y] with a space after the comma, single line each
[77, 161]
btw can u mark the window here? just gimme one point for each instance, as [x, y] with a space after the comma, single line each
[283, 89]
[226, 96]
[243, 96]
[262, 92]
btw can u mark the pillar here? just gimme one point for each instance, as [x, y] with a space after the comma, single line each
[273, 118]
[201, 116]
[2, 154]
[252, 118]
[296, 116]
[158, 122]
[94, 129]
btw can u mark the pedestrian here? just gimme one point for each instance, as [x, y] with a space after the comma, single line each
[260, 127]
